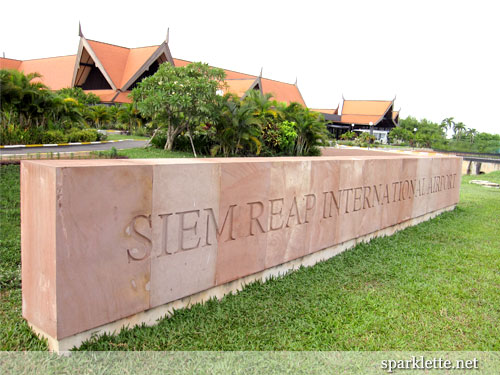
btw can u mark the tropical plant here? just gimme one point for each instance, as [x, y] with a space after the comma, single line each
[237, 129]
[100, 115]
[81, 96]
[179, 98]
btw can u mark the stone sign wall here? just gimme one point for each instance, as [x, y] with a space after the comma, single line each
[103, 240]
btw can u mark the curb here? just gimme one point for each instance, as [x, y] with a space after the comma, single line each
[68, 144]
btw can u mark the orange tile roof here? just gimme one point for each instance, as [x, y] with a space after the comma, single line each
[56, 72]
[135, 60]
[121, 64]
[9, 63]
[395, 114]
[282, 92]
[364, 111]
[238, 86]
[105, 95]
[334, 111]
[113, 59]
[230, 74]
[360, 119]
[123, 97]
[365, 107]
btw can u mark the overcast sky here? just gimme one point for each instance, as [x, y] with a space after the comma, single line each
[439, 58]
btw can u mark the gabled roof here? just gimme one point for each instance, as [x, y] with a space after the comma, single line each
[9, 63]
[282, 92]
[236, 82]
[121, 67]
[239, 87]
[56, 72]
[334, 111]
[363, 112]
[113, 59]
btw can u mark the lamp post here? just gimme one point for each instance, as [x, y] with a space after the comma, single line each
[414, 133]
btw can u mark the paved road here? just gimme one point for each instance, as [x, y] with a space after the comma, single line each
[99, 147]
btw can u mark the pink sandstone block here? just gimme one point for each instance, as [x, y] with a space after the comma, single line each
[103, 240]
[185, 214]
[38, 244]
[90, 211]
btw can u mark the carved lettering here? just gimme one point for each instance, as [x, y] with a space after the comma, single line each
[140, 237]
[293, 207]
[218, 233]
[164, 229]
[376, 195]
[411, 191]
[405, 184]
[256, 217]
[183, 229]
[366, 196]
[310, 204]
[357, 199]
[281, 214]
[273, 213]
[395, 184]
[332, 200]
[347, 200]
[386, 195]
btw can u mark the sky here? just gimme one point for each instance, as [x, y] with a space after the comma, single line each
[437, 58]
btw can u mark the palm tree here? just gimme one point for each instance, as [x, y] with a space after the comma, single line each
[458, 129]
[237, 128]
[128, 114]
[471, 133]
[447, 124]
[100, 115]
[311, 131]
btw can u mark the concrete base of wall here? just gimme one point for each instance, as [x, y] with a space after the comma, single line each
[475, 168]
[151, 317]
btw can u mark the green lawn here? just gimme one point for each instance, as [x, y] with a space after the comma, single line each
[434, 286]
[113, 137]
[152, 152]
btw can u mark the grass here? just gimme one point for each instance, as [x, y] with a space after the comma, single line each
[152, 152]
[114, 137]
[430, 287]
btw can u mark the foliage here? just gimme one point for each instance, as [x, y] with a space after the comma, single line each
[425, 133]
[81, 96]
[179, 98]
[348, 136]
[399, 135]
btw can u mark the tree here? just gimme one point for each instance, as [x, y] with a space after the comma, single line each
[128, 114]
[100, 115]
[399, 134]
[458, 129]
[237, 128]
[471, 133]
[179, 98]
[447, 124]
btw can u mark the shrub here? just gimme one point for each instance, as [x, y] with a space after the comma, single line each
[83, 135]
[54, 136]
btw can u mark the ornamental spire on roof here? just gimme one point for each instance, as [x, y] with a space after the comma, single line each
[80, 34]
[168, 35]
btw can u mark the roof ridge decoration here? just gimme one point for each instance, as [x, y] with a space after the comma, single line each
[256, 82]
[84, 44]
[163, 48]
